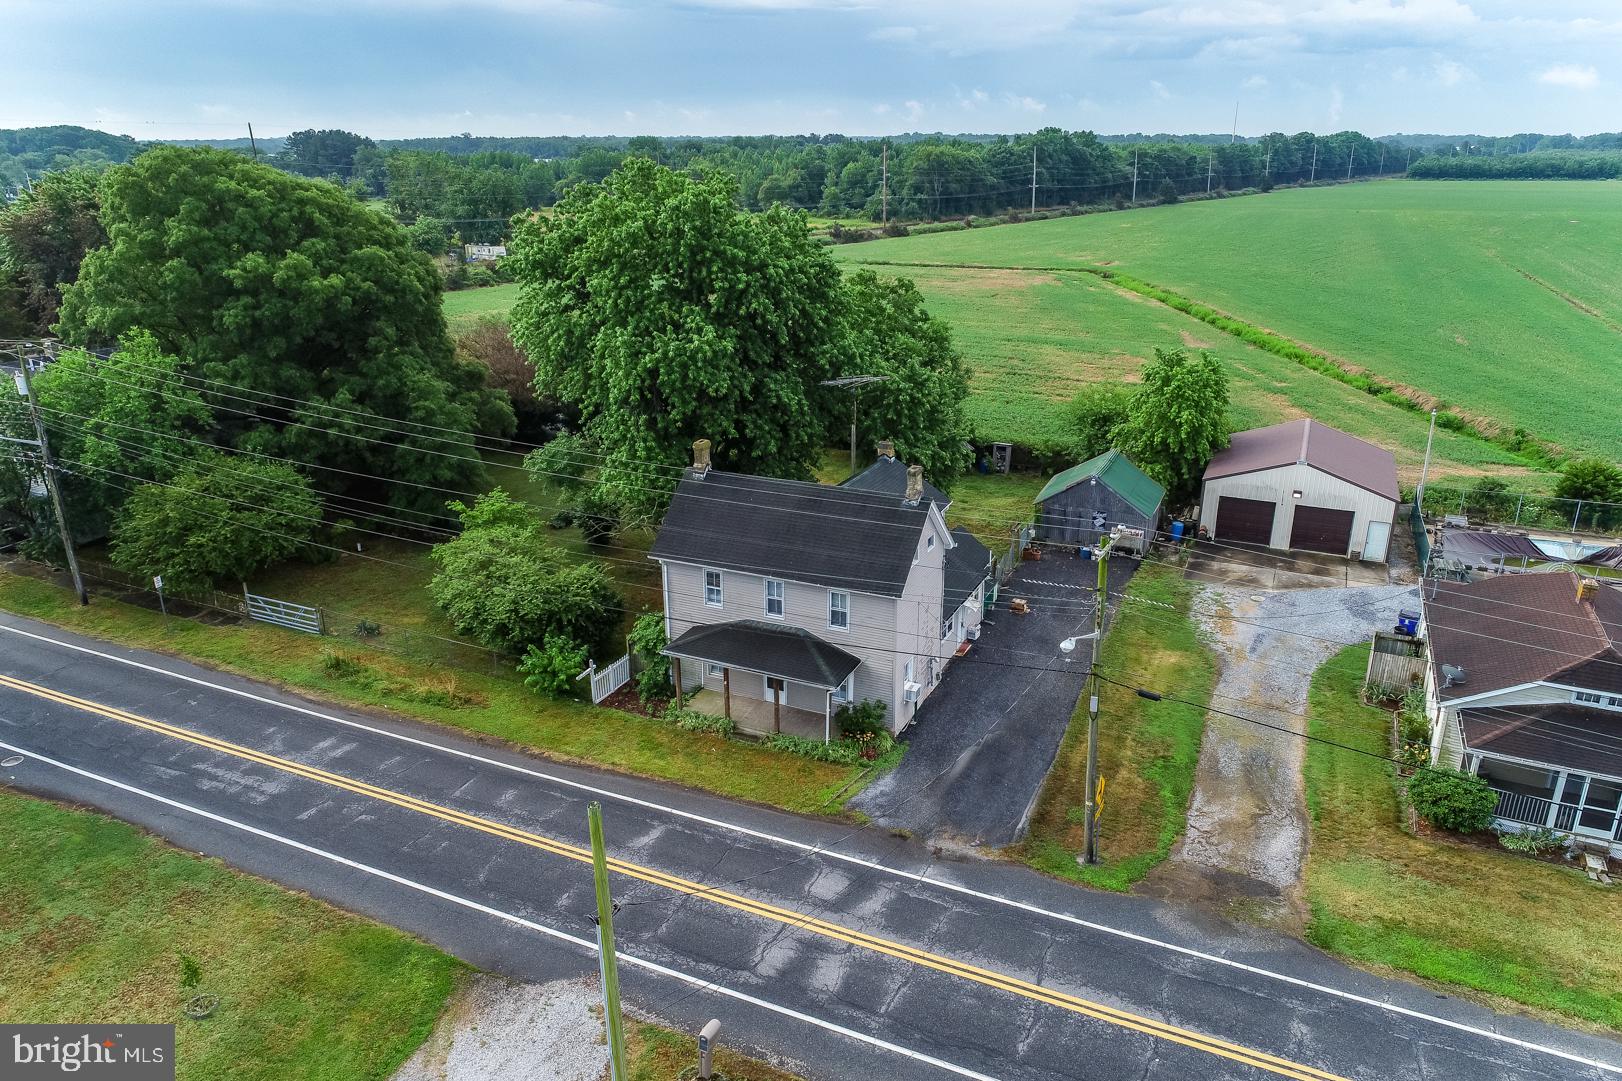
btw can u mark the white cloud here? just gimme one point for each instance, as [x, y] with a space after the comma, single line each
[1337, 102]
[1028, 104]
[898, 34]
[1452, 73]
[1160, 89]
[1571, 76]
[1255, 82]
[915, 110]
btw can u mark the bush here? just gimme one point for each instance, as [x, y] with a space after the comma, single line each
[1531, 842]
[1168, 193]
[553, 669]
[691, 720]
[861, 719]
[840, 752]
[479, 276]
[646, 639]
[367, 628]
[1451, 799]
[1413, 725]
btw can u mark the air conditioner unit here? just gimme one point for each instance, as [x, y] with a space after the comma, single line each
[909, 692]
[973, 634]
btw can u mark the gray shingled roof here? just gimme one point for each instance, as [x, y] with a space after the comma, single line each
[888, 476]
[773, 648]
[967, 565]
[1524, 628]
[807, 532]
[1326, 449]
[1572, 736]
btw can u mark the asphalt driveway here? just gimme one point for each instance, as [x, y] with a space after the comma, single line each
[983, 742]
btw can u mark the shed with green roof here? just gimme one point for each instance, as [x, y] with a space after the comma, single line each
[1083, 503]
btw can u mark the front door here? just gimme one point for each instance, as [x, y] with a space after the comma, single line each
[1598, 815]
[1379, 538]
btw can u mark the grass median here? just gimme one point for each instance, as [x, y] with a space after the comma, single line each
[472, 702]
[1148, 751]
[99, 922]
[1502, 926]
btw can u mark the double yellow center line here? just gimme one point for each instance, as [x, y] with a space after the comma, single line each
[803, 921]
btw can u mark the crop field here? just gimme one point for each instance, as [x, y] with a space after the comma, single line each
[1500, 299]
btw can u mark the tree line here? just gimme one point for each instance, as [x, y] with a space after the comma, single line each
[1538, 165]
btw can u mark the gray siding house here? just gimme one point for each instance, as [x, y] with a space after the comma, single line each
[1082, 504]
[786, 599]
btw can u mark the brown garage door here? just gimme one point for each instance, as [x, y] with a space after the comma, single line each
[1248, 520]
[1319, 529]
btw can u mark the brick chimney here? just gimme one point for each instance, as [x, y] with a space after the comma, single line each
[1587, 590]
[915, 484]
[701, 458]
[886, 449]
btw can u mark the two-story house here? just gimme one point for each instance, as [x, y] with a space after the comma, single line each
[786, 599]
[1524, 688]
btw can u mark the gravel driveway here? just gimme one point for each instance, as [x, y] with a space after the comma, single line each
[983, 742]
[1247, 825]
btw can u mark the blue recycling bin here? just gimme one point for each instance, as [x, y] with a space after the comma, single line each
[1408, 622]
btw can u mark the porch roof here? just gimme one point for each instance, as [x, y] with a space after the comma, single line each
[1565, 735]
[772, 648]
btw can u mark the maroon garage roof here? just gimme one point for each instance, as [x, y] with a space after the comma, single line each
[1324, 448]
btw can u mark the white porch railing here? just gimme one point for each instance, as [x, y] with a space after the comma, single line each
[1534, 811]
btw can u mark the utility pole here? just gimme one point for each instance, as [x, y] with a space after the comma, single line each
[884, 184]
[1351, 156]
[1381, 170]
[1033, 178]
[854, 384]
[1134, 176]
[1210, 163]
[1314, 162]
[1267, 162]
[1100, 595]
[253, 143]
[48, 467]
[1234, 138]
[1424, 470]
[607, 960]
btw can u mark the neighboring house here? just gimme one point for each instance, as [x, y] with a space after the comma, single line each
[887, 476]
[786, 599]
[1524, 688]
[1302, 485]
[483, 253]
[1080, 505]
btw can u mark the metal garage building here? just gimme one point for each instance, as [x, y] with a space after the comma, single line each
[1302, 485]
[1080, 505]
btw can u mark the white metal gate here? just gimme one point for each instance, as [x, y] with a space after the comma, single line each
[298, 617]
[606, 681]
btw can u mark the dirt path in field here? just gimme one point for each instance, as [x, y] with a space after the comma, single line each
[1246, 843]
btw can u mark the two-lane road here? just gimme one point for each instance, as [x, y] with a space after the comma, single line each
[848, 952]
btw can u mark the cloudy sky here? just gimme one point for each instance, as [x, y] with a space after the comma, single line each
[392, 68]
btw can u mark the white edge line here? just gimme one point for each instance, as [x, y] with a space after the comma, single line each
[585, 944]
[919, 877]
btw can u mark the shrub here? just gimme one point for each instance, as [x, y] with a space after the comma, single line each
[553, 669]
[692, 720]
[840, 752]
[1451, 799]
[861, 719]
[1413, 725]
[646, 639]
[367, 628]
[1531, 842]
[479, 276]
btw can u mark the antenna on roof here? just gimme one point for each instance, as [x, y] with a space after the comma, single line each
[1452, 676]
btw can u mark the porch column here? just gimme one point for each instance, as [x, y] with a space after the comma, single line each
[827, 717]
[675, 664]
[777, 708]
[1554, 798]
[726, 692]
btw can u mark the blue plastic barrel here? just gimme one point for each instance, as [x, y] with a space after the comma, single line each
[1176, 531]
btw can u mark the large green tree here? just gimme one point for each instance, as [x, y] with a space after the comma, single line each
[919, 406]
[664, 315]
[113, 423]
[287, 287]
[1177, 419]
[44, 235]
[219, 519]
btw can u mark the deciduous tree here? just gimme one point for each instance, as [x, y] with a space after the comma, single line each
[1178, 418]
[44, 235]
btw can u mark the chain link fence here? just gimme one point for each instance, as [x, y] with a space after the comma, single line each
[1486, 503]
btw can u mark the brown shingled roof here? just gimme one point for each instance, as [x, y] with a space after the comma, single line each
[1524, 628]
[1324, 448]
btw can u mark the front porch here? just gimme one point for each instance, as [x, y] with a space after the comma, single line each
[1579, 806]
[760, 718]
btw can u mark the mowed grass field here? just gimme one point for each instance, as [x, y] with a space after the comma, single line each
[1501, 299]
[465, 307]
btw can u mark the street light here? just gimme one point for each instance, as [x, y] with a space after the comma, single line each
[854, 384]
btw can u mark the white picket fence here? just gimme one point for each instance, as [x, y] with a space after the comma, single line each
[605, 681]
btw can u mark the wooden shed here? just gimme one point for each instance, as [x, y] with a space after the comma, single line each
[1083, 503]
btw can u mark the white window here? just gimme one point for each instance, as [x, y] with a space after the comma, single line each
[906, 672]
[839, 609]
[843, 692]
[715, 670]
[774, 598]
[929, 545]
[1591, 698]
[712, 588]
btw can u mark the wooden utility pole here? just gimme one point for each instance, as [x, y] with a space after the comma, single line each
[1351, 156]
[608, 962]
[1381, 169]
[1134, 176]
[1033, 178]
[1314, 162]
[1210, 162]
[48, 468]
[1089, 852]
[884, 183]
[253, 143]
[1267, 162]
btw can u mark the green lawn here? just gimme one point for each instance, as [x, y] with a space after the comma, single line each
[467, 306]
[1148, 751]
[1475, 918]
[1500, 298]
[95, 917]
